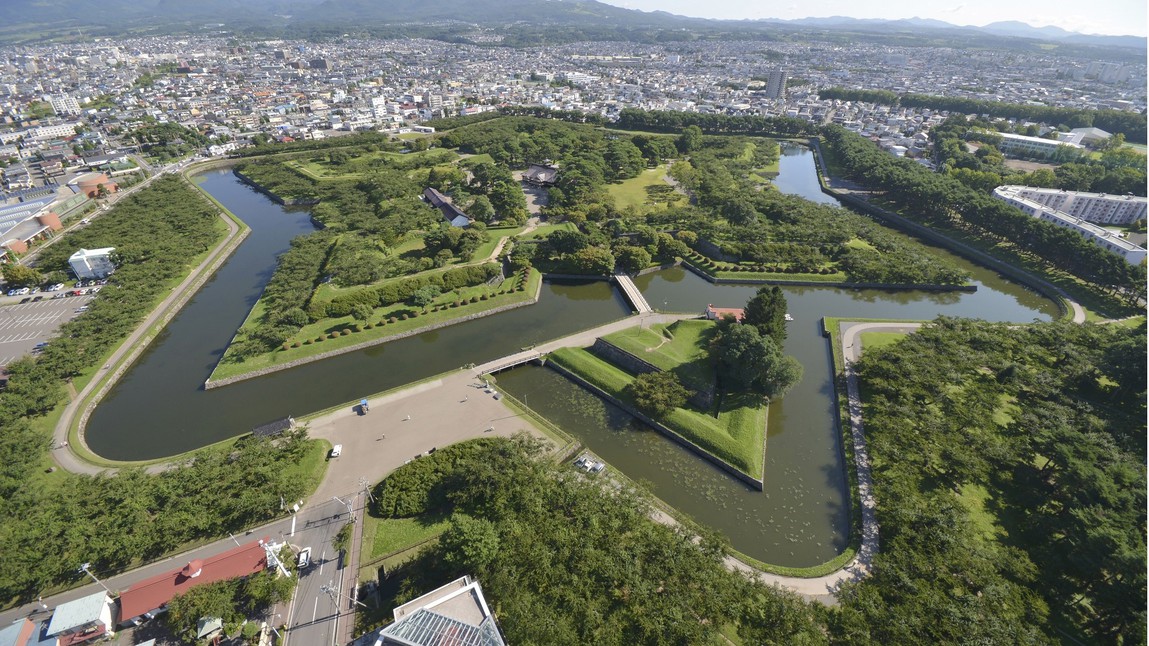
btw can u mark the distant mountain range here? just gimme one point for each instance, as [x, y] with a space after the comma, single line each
[29, 20]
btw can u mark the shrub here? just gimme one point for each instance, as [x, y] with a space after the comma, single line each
[483, 297]
[369, 326]
[319, 339]
[286, 346]
[391, 320]
[402, 317]
[307, 342]
[295, 344]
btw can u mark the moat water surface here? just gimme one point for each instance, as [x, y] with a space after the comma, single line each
[160, 408]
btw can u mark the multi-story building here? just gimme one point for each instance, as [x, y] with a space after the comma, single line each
[1032, 146]
[1099, 236]
[92, 263]
[776, 84]
[64, 105]
[1098, 208]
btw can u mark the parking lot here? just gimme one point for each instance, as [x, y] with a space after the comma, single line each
[23, 325]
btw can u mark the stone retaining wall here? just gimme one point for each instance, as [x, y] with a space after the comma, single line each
[709, 457]
[702, 399]
[218, 383]
[816, 283]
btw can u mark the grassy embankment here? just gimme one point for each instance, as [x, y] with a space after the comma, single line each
[736, 435]
[320, 170]
[385, 322]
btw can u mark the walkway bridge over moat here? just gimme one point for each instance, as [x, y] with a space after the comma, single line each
[630, 290]
[576, 340]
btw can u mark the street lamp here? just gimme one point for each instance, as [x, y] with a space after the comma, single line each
[86, 569]
[350, 511]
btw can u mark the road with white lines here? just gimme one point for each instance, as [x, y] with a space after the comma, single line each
[23, 325]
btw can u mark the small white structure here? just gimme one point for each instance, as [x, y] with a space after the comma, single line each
[92, 263]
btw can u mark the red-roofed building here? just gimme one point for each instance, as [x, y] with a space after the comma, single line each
[152, 595]
[716, 313]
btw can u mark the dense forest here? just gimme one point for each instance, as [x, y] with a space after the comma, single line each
[48, 524]
[569, 560]
[1009, 468]
[1130, 124]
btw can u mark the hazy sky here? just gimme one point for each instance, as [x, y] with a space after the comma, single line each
[1120, 17]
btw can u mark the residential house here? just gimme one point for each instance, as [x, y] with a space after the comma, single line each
[151, 596]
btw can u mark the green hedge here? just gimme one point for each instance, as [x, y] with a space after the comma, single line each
[400, 290]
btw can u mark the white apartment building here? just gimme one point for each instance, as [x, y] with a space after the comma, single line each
[64, 105]
[92, 263]
[1032, 146]
[1099, 236]
[1098, 208]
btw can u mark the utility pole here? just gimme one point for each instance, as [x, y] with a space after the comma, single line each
[366, 489]
[86, 569]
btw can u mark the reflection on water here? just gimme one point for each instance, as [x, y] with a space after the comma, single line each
[159, 409]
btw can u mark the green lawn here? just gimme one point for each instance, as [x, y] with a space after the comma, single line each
[543, 230]
[416, 320]
[632, 192]
[974, 499]
[680, 347]
[321, 170]
[390, 535]
[737, 436]
[874, 340]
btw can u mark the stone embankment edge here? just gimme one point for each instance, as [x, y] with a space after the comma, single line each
[226, 381]
[815, 283]
[743, 477]
[1065, 305]
[227, 248]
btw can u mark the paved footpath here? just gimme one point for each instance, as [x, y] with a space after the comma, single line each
[824, 588]
[131, 348]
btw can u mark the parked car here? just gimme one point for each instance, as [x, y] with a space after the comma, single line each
[23, 291]
[81, 309]
[304, 558]
[57, 287]
[336, 450]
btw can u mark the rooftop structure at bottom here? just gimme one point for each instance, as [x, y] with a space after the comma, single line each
[454, 614]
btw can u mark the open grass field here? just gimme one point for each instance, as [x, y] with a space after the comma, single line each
[544, 230]
[633, 191]
[737, 436]
[390, 535]
[873, 340]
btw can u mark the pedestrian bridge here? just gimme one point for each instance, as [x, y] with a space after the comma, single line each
[630, 290]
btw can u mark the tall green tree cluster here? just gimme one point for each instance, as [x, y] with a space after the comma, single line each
[568, 560]
[1009, 470]
[747, 361]
[941, 201]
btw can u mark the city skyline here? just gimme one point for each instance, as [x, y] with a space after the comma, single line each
[1109, 17]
